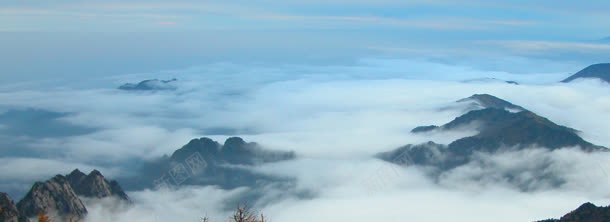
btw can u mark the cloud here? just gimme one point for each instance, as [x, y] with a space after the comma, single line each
[535, 46]
[167, 23]
[335, 117]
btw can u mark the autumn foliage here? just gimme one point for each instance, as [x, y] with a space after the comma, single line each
[42, 217]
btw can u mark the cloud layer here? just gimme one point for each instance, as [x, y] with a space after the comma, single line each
[335, 118]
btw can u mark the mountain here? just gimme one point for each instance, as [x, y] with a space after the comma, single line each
[475, 102]
[498, 128]
[587, 212]
[60, 195]
[489, 80]
[8, 210]
[600, 71]
[95, 185]
[482, 101]
[55, 196]
[150, 85]
[203, 161]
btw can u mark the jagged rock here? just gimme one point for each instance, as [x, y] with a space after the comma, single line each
[599, 71]
[204, 161]
[95, 185]
[8, 210]
[55, 196]
[587, 212]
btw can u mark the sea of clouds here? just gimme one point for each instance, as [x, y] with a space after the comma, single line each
[335, 117]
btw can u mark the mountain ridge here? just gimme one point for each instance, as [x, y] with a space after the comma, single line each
[60, 196]
[599, 71]
[498, 130]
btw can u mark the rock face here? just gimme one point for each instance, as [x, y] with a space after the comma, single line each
[8, 210]
[499, 130]
[150, 85]
[587, 212]
[204, 161]
[59, 196]
[95, 185]
[54, 196]
[599, 71]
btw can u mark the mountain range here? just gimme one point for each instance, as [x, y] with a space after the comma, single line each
[599, 71]
[149, 85]
[501, 126]
[489, 80]
[203, 161]
[61, 196]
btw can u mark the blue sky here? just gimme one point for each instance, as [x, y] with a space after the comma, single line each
[70, 37]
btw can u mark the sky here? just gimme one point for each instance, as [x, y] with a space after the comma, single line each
[71, 39]
[336, 81]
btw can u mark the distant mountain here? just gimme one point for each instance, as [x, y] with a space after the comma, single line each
[489, 80]
[204, 161]
[598, 71]
[498, 129]
[150, 85]
[8, 210]
[476, 102]
[54, 196]
[587, 212]
[60, 196]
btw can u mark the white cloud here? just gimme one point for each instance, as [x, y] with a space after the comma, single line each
[536, 46]
[335, 118]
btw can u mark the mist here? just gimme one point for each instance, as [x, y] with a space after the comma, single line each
[336, 118]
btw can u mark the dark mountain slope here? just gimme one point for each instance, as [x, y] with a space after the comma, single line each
[204, 161]
[498, 129]
[600, 71]
[587, 212]
[8, 210]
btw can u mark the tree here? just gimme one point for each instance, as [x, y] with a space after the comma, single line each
[244, 213]
[42, 217]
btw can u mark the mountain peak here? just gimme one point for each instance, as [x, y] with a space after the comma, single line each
[8, 210]
[95, 173]
[54, 196]
[478, 101]
[599, 71]
[95, 185]
[586, 212]
[77, 172]
[150, 85]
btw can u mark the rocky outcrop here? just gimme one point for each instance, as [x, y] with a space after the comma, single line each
[55, 196]
[95, 185]
[203, 161]
[8, 210]
[60, 196]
